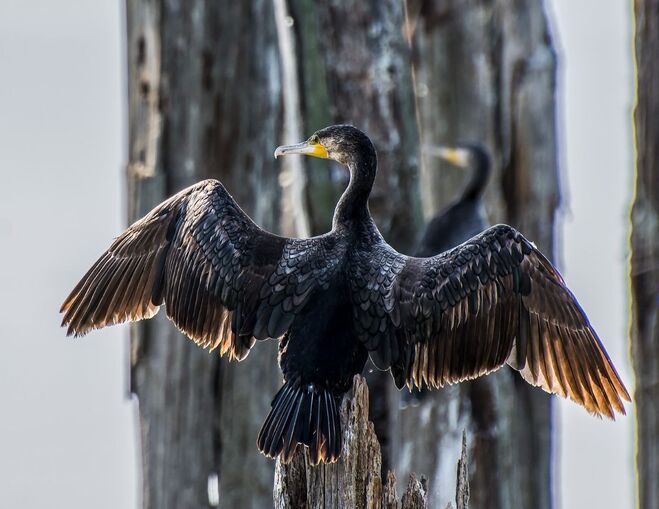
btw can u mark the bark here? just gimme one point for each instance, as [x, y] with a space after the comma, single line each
[485, 71]
[204, 101]
[354, 67]
[462, 484]
[645, 253]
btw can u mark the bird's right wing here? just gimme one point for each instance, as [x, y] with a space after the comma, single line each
[224, 281]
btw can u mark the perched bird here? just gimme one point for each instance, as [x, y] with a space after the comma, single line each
[465, 217]
[335, 299]
[461, 220]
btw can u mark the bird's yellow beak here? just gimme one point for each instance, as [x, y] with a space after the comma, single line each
[456, 156]
[305, 148]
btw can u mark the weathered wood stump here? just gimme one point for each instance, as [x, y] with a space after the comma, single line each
[355, 481]
[644, 268]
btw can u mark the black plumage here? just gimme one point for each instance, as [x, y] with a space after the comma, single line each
[336, 298]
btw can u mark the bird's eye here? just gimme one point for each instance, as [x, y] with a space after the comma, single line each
[314, 139]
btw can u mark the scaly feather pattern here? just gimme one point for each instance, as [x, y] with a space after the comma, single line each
[334, 298]
[493, 300]
[224, 281]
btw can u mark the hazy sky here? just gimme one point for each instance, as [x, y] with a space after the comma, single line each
[66, 425]
[596, 97]
[66, 430]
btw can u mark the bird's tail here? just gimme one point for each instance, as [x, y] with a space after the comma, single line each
[302, 414]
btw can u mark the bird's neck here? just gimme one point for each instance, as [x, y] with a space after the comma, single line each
[353, 204]
[479, 176]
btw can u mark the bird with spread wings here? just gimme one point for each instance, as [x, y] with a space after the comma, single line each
[335, 299]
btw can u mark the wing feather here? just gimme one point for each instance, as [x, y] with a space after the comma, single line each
[493, 300]
[216, 272]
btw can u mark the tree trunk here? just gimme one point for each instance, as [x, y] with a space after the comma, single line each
[645, 253]
[204, 101]
[485, 71]
[354, 68]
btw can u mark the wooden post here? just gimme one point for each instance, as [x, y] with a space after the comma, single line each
[645, 253]
[485, 71]
[204, 101]
[354, 67]
[354, 481]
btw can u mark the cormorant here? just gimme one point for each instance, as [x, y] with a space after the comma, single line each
[334, 299]
[466, 216]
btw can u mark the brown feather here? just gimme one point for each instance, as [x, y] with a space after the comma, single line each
[174, 254]
[496, 299]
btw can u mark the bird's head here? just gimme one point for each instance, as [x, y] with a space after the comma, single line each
[462, 155]
[467, 155]
[341, 143]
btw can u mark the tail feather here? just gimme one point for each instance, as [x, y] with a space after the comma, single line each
[302, 414]
[279, 404]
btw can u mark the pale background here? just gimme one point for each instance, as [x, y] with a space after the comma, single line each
[67, 426]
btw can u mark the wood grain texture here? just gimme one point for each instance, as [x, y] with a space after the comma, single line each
[485, 71]
[645, 253]
[204, 101]
[462, 484]
[352, 482]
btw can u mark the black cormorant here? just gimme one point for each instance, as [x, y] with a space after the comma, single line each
[334, 299]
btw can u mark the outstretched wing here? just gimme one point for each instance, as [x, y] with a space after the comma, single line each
[493, 300]
[224, 281]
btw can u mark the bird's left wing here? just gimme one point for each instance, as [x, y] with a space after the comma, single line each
[493, 300]
[223, 280]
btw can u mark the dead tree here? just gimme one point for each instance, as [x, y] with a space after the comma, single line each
[485, 71]
[354, 67]
[355, 481]
[480, 71]
[645, 253]
[204, 101]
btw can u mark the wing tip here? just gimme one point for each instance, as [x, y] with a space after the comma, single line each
[67, 323]
[612, 410]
